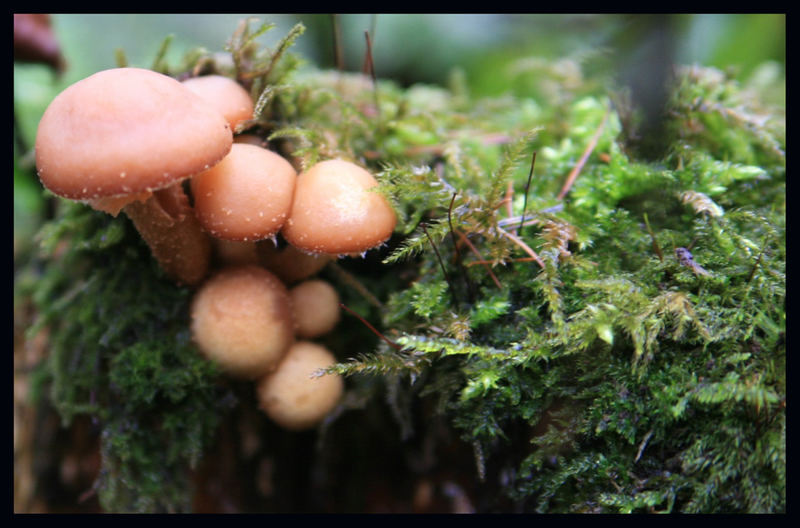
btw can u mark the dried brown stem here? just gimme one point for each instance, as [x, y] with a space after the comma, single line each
[573, 175]
[509, 197]
[527, 188]
[369, 62]
[462, 270]
[487, 262]
[518, 241]
[482, 261]
[352, 281]
[337, 43]
[374, 330]
[441, 264]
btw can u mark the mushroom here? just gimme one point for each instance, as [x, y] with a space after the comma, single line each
[316, 308]
[290, 263]
[246, 196]
[337, 211]
[294, 396]
[224, 94]
[234, 253]
[129, 135]
[242, 320]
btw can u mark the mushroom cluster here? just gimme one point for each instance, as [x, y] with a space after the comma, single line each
[210, 198]
[247, 322]
[123, 140]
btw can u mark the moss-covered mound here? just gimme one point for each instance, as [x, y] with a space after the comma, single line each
[563, 327]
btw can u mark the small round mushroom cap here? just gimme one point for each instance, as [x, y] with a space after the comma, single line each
[126, 130]
[337, 211]
[316, 308]
[242, 320]
[289, 263]
[226, 95]
[246, 196]
[292, 396]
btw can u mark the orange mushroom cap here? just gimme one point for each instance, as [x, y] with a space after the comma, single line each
[246, 196]
[226, 95]
[124, 131]
[316, 308]
[242, 320]
[337, 211]
[292, 396]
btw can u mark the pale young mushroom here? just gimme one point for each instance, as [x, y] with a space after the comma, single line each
[124, 139]
[336, 210]
[245, 197]
[316, 308]
[226, 95]
[289, 263]
[295, 396]
[242, 320]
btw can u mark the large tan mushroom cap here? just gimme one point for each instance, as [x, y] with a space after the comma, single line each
[226, 95]
[242, 320]
[292, 396]
[126, 130]
[337, 211]
[316, 308]
[246, 196]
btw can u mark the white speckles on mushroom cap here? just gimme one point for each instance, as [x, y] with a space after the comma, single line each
[291, 396]
[126, 130]
[242, 320]
[334, 211]
[246, 196]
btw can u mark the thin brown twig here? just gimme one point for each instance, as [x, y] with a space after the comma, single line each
[478, 254]
[459, 261]
[337, 43]
[573, 175]
[350, 280]
[527, 188]
[509, 198]
[518, 241]
[487, 262]
[368, 66]
[371, 64]
[656, 247]
[374, 330]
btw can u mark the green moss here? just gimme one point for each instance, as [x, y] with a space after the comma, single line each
[119, 350]
[576, 355]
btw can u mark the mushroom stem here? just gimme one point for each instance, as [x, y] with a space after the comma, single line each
[168, 225]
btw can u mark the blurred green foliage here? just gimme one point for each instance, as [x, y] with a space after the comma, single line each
[408, 48]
